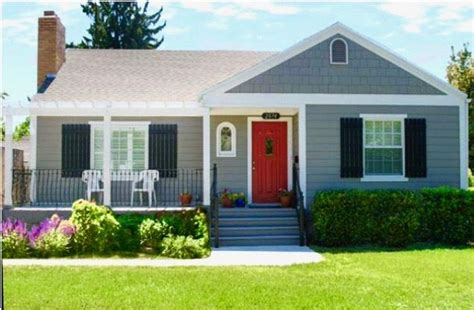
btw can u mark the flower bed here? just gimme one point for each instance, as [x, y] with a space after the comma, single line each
[94, 229]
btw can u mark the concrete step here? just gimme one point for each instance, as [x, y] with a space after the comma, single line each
[257, 221]
[259, 231]
[259, 240]
[247, 212]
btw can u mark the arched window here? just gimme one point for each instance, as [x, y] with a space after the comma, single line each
[338, 52]
[226, 139]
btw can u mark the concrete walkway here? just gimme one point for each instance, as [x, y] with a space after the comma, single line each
[226, 256]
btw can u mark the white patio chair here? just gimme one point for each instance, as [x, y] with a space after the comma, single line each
[92, 178]
[147, 178]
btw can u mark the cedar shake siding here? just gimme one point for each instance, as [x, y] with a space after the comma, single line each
[324, 150]
[311, 72]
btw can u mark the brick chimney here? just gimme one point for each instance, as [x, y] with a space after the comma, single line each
[51, 45]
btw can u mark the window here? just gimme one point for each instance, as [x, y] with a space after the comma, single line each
[338, 52]
[226, 140]
[129, 146]
[268, 147]
[383, 147]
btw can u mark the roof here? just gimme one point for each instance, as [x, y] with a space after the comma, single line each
[97, 75]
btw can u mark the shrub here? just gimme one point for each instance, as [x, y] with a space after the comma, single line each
[393, 217]
[176, 234]
[14, 239]
[52, 237]
[97, 228]
[448, 215]
[151, 233]
[184, 247]
[470, 178]
[128, 236]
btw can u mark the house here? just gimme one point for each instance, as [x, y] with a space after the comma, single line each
[346, 110]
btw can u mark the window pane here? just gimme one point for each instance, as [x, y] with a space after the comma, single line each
[383, 161]
[397, 139]
[226, 139]
[369, 126]
[268, 147]
[387, 140]
[369, 139]
[397, 127]
[378, 125]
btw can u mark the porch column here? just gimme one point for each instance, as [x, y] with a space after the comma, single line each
[107, 158]
[8, 161]
[206, 157]
[302, 150]
[32, 159]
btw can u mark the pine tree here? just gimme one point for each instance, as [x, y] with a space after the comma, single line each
[121, 25]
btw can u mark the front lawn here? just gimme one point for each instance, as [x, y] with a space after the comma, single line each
[426, 278]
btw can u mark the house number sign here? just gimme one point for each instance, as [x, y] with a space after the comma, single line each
[271, 115]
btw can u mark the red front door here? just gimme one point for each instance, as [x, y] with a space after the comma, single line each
[269, 160]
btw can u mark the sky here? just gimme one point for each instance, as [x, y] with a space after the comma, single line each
[423, 33]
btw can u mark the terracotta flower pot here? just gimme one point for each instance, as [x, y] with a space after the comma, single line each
[226, 202]
[285, 201]
[185, 199]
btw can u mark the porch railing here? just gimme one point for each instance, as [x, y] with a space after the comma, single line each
[300, 210]
[214, 208]
[56, 187]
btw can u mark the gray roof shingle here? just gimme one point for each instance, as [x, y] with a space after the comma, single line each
[144, 75]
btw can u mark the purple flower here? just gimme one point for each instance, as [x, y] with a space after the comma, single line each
[46, 226]
[10, 226]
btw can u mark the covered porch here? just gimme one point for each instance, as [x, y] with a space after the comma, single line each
[123, 155]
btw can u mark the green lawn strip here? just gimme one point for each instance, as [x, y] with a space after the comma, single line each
[348, 278]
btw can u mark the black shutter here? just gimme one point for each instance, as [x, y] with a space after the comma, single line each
[415, 148]
[76, 144]
[351, 148]
[163, 149]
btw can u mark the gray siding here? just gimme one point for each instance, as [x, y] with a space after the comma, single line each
[189, 138]
[323, 146]
[232, 171]
[311, 72]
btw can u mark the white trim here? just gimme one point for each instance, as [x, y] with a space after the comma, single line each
[289, 125]
[319, 37]
[107, 160]
[33, 141]
[464, 145]
[8, 158]
[330, 52]
[384, 178]
[206, 156]
[271, 100]
[384, 117]
[302, 151]
[233, 151]
[120, 124]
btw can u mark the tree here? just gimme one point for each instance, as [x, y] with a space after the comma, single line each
[121, 25]
[460, 73]
[22, 130]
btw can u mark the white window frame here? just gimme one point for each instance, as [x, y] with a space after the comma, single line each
[384, 117]
[119, 125]
[347, 52]
[233, 131]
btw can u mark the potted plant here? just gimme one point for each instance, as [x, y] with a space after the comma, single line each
[285, 197]
[185, 198]
[226, 198]
[239, 200]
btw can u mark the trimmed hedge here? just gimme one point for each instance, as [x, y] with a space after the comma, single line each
[393, 218]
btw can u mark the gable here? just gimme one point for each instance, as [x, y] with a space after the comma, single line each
[310, 72]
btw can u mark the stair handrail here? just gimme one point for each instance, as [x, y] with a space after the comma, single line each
[214, 216]
[300, 210]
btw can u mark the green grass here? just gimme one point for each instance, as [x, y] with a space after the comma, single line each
[353, 278]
